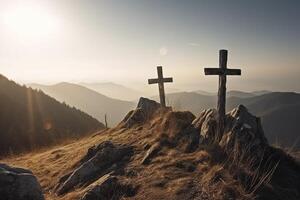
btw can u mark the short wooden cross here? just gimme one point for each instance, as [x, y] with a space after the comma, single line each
[161, 80]
[222, 71]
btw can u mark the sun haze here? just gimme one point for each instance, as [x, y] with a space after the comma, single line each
[94, 41]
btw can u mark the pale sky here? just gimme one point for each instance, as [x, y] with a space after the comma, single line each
[122, 41]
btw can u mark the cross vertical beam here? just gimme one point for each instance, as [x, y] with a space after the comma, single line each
[161, 88]
[222, 72]
[160, 81]
[222, 91]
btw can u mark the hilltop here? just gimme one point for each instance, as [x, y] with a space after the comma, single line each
[158, 153]
[30, 119]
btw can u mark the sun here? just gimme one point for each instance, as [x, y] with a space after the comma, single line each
[29, 20]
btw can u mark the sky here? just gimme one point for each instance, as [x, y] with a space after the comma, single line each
[122, 41]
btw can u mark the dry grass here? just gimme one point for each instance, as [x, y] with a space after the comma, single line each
[206, 173]
[51, 164]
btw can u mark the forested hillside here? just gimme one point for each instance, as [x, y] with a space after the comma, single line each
[30, 119]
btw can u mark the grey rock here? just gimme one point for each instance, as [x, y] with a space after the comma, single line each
[243, 131]
[145, 109]
[18, 183]
[206, 123]
[148, 106]
[98, 160]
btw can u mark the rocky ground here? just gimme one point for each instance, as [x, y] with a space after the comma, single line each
[157, 153]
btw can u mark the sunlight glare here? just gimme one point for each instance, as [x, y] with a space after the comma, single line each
[30, 21]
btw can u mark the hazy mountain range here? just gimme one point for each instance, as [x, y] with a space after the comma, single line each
[114, 90]
[88, 101]
[270, 106]
[236, 93]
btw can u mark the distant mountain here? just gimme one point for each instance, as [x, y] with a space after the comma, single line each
[190, 101]
[279, 111]
[114, 90]
[266, 103]
[31, 119]
[234, 93]
[261, 92]
[89, 101]
[204, 93]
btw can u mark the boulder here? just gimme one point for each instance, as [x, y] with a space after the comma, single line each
[206, 123]
[145, 109]
[98, 160]
[18, 183]
[243, 131]
[148, 106]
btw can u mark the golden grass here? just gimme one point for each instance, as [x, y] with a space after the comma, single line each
[48, 165]
[172, 174]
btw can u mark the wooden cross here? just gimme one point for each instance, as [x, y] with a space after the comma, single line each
[161, 80]
[222, 71]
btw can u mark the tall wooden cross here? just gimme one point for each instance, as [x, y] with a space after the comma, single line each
[222, 71]
[161, 80]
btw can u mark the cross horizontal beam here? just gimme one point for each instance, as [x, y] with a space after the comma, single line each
[156, 80]
[222, 71]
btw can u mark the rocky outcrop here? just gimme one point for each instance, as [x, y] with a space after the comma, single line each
[206, 123]
[106, 188]
[18, 183]
[243, 131]
[99, 159]
[144, 111]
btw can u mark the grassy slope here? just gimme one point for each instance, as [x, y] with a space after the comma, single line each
[171, 175]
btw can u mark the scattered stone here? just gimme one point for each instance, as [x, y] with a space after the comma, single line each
[98, 160]
[19, 184]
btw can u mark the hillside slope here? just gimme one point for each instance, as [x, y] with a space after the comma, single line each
[89, 101]
[163, 154]
[30, 119]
